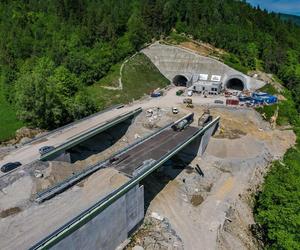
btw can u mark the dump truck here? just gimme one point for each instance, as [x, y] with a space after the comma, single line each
[205, 118]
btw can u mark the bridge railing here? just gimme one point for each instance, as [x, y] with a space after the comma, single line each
[88, 134]
[98, 207]
[72, 180]
[72, 124]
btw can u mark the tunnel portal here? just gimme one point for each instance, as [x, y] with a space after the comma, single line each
[180, 80]
[236, 84]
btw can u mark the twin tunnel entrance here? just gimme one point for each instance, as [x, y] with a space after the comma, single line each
[234, 83]
[180, 80]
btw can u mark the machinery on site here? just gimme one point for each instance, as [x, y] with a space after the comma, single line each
[182, 124]
[205, 118]
[188, 102]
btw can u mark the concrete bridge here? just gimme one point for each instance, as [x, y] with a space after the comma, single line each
[60, 150]
[109, 221]
[67, 136]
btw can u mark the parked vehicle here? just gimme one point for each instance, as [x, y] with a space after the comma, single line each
[179, 92]
[190, 93]
[232, 102]
[187, 100]
[45, 149]
[156, 94]
[218, 102]
[10, 166]
[175, 110]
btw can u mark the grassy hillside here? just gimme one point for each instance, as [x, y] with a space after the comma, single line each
[8, 120]
[139, 77]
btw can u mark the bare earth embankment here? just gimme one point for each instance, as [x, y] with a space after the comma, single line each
[215, 211]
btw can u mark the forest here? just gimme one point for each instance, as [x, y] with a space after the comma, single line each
[51, 50]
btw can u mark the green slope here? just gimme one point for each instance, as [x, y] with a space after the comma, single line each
[8, 119]
[139, 77]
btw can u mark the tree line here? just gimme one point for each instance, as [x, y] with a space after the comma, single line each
[82, 39]
[50, 50]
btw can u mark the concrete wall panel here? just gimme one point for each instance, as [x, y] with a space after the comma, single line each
[172, 61]
[111, 227]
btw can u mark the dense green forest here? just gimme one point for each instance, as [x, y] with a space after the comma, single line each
[291, 18]
[51, 50]
[52, 53]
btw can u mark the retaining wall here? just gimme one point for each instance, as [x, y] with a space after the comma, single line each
[109, 228]
[172, 61]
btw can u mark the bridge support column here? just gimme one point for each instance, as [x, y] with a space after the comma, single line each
[111, 227]
[199, 145]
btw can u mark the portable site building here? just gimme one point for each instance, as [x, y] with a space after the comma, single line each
[209, 87]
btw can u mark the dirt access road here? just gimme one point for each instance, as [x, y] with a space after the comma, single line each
[214, 211]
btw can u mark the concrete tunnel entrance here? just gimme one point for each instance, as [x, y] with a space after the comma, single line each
[236, 84]
[180, 80]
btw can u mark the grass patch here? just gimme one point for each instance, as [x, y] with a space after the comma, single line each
[112, 78]
[269, 88]
[8, 118]
[175, 38]
[139, 77]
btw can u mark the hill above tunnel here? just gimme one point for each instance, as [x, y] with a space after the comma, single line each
[183, 66]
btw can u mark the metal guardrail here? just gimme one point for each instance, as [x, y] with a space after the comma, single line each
[60, 187]
[86, 135]
[97, 208]
[73, 123]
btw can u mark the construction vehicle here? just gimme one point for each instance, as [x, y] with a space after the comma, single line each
[205, 118]
[187, 100]
[182, 124]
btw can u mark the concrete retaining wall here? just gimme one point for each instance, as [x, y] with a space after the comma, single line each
[172, 61]
[111, 227]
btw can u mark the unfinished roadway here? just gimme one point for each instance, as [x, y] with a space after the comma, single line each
[118, 177]
[68, 136]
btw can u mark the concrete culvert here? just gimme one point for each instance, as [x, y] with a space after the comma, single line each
[235, 83]
[180, 80]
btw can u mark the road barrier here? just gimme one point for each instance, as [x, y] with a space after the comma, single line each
[86, 135]
[97, 208]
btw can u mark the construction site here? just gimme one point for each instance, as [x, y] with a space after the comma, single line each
[171, 171]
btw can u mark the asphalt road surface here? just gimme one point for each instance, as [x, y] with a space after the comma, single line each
[30, 152]
[154, 148]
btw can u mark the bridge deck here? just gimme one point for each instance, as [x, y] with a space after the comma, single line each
[54, 213]
[154, 148]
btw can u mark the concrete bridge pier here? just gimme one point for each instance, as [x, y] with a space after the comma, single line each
[199, 145]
